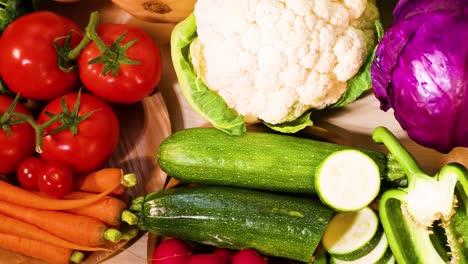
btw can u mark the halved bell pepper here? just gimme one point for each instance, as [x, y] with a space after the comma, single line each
[412, 214]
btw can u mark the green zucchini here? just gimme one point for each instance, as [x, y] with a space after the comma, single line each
[347, 180]
[381, 254]
[228, 217]
[257, 160]
[352, 235]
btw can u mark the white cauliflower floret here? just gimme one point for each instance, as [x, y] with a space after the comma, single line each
[275, 59]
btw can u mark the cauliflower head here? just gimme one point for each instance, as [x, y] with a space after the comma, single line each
[272, 60]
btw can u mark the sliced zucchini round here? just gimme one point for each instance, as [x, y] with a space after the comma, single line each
[379, 255]
[347, 180]
[351, 235]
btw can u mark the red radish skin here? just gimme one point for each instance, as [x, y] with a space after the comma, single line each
[172, 251]
[208, 259]
[226, 253]
[248, 256]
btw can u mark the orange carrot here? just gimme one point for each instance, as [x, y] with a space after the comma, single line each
[13, 226]
[13, 194]
[103, 179]
[40, 250]
[78, 229]
[109, 210]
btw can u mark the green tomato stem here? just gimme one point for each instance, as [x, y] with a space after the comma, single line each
[90, 35]
[38, 128]
[401, 155]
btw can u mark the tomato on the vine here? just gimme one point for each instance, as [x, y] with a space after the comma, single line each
[16, 137]
[29, 171]
[55, 180]
[123, 66]
[29, 58]
[84, 136]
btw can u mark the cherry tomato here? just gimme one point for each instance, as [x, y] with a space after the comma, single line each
[95, 139]
[130, 82]
[16, 140]
[56, 180]
[28, 172]
[28, 58]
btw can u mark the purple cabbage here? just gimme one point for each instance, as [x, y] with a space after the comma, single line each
[420, 70]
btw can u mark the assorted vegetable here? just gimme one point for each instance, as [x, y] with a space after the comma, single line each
[347, 180]
[352, 235]
[16, 137]
[56, 139]
[12, 9]
[123, 65]
[256, 160]
[409, 214]
[272, 224]
[31, 46]
[255, 64]
[420, 71]
[84, 135]
[258, 196]
[40, 250]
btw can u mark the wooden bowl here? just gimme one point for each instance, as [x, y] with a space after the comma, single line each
[143, 127]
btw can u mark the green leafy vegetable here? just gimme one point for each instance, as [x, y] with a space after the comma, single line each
[204, 101]
[362, 81]
[293, 126]
[12, 9]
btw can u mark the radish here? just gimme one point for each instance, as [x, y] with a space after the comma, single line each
[226, 253]
[172, 251]
[208, 259]
[248, 256]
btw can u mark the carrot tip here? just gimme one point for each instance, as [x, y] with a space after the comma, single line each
[129, 180]
[77, 257]
[112, 235]
[129, 217]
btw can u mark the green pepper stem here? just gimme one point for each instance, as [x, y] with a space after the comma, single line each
[401, 155]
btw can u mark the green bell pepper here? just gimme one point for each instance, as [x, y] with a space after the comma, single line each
[410, 215]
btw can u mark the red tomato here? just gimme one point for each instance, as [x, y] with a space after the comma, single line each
[28, 172]
[96, 138]
[55, 180]
[28, 58]
[19, 144]
[132, 82]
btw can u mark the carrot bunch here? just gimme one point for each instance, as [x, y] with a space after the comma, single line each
[92, 218]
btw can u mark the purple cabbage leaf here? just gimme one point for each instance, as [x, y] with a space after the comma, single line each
[420, 70]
